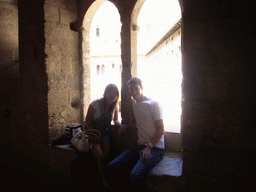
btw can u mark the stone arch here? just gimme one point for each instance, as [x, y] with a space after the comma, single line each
[85, 51]
[134, 32]
[128, 18]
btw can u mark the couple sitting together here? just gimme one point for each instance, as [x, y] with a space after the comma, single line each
[129, 169]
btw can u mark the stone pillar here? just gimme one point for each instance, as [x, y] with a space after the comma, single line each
[85, 69]
[126, 109]
[31, 135]
[134, 34]
[217, 86]
[197, 63]
[194, 105]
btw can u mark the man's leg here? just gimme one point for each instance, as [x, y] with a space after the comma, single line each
[139, 173]
[119, 169]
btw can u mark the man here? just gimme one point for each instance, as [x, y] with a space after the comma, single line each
[135, 163]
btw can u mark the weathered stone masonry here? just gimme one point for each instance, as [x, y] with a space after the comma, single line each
[218, 65]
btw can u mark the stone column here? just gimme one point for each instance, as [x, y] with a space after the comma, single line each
[195, 110]
[85, 69]
[126, 109]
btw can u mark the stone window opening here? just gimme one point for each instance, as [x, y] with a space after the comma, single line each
[98, 70]
[134, 56]
[97, 32]
[103, 47]
[158, 49]
[103, 69]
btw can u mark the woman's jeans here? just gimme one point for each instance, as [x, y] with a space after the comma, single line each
[128, 168]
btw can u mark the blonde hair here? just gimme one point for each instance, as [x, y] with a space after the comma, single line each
[110, 87]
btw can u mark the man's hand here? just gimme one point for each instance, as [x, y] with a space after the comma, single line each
[146, 155]
[122, 130]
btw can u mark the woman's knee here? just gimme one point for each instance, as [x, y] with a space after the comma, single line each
[97, 152]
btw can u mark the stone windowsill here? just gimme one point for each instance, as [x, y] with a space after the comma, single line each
[68, 147]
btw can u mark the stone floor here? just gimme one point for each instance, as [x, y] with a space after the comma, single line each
[19, 173]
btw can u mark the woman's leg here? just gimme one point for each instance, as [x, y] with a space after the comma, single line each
[105, 149]
[100, 151]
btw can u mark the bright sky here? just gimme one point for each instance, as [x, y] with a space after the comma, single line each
[153, 19]
[109, 42]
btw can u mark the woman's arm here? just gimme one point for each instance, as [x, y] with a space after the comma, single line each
[116, 121]
[90, 112]
[88, 120]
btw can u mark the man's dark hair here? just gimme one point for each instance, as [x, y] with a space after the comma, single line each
[135, 80]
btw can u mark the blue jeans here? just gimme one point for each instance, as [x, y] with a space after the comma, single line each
[129, 170]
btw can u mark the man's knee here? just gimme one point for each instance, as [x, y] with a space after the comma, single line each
[135, 176]
[137, 181]
[112, 167]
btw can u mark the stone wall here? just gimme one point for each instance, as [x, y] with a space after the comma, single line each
[62, 66]
[218, 85]
[218, 108]
[9, 66]
[9, 51]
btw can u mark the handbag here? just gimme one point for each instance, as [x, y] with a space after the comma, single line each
[73, 128]
[82, 140]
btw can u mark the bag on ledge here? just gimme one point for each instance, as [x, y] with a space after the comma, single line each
[82, 140]
[73, 128]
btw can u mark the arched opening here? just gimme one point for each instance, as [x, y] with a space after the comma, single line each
[105, 48]
[101, 50]
[157, 41]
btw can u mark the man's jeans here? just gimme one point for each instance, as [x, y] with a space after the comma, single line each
[128, 167]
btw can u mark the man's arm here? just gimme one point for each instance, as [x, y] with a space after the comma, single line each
[159, 131]
[146, 158]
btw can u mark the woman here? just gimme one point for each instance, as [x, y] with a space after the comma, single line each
[99, 116]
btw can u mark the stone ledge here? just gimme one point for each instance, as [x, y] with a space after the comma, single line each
[167, 173]
[170, 165]
[68, 147]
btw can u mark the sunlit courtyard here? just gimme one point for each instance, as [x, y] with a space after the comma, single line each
[159, 69]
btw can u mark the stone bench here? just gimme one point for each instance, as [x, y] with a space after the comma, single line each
[166, 175]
